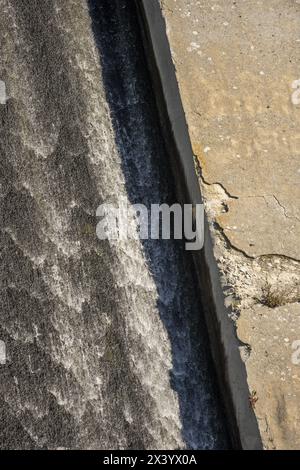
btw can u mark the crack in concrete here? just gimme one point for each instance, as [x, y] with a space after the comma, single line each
[284, 209]
[231, 196]
[200, 175]
[221, 231]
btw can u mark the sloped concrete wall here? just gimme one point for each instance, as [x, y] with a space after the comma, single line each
[228, 73]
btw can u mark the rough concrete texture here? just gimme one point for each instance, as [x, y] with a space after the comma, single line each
[237, 65]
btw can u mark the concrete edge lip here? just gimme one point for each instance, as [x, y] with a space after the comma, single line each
[233, 376]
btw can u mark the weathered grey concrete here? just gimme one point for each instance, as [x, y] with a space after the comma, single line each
[106, 343]
[237, 66]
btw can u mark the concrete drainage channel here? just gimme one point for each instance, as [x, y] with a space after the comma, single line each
[113, 344]
[145, 159]
[231, 371]
[106, 342]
